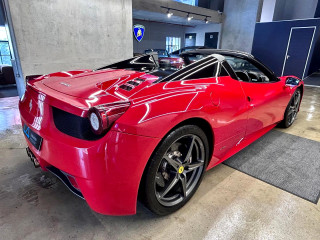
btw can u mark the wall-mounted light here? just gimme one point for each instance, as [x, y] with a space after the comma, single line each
[206, 20]
[169, 14]
[189, 17]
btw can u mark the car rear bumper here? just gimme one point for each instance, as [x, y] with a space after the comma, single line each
[107, 171]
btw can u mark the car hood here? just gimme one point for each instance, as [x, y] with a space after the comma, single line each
[88, 84]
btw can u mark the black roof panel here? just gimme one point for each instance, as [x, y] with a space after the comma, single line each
[218, 51]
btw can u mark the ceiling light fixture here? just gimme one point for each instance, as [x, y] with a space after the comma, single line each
[189, 16]
[169, 14]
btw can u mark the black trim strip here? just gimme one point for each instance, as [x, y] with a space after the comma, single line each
[62, 176]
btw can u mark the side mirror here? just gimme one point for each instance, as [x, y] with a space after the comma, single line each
[291, 81]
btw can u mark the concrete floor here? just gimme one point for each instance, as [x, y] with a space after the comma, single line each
[228, 205]
[313, 79]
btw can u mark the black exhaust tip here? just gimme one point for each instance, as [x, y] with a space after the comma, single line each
[28, 151]
[32, 158]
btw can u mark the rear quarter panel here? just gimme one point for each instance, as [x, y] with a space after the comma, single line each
[173, 103]
[219, 101]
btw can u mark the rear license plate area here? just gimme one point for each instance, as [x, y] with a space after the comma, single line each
[33, 138]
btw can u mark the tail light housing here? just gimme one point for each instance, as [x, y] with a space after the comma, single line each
[103, 116]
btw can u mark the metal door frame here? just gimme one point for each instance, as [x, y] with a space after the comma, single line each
[16, 64]
[218, 38]
[288, 45]
[195, 42]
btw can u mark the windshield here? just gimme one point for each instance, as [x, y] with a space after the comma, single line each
[239, 64]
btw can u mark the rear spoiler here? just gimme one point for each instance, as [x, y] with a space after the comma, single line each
[32, 77]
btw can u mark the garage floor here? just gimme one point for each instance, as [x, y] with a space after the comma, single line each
[228, 205]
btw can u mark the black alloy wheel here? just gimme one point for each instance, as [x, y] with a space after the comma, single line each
[175, 170]
[292, 109]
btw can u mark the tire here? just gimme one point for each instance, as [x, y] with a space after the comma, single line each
[292, 109]
[172, 167]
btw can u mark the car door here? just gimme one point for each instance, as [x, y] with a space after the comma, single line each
[228, 111]
[265, 104]
[230, 121]
[265, 94]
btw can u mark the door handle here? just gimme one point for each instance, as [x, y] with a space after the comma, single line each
[250, 100]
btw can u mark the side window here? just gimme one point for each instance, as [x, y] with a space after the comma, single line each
[203, 68]
[223, 72]
[229, 70]
[203, 72]
[246, 71]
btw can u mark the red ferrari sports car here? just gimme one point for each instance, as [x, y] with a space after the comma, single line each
[130, 128]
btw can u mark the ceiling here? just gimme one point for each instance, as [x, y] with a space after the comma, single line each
[161, 17]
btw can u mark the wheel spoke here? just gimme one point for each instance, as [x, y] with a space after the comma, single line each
[172, 162]
[296, 99]
[291, 115]
[189, 150]
[183, 179]
[193, 166]
[170, 186]
[297, 104]
[180, 170]
[291, 110]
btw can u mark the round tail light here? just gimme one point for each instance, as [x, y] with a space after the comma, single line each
[103, 116]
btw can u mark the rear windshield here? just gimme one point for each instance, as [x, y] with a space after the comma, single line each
[161, 52]
[193, 57]
[142, 63]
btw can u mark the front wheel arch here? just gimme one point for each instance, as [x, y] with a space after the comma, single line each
[284, 123]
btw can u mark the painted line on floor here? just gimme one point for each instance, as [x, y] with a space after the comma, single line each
[312, 86]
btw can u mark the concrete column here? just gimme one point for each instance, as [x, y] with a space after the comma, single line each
[267, 12]
[294, 9]
[75, 34]
[239, 24]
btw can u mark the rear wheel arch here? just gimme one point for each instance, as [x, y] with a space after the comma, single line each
[199, 122]
[204, 125]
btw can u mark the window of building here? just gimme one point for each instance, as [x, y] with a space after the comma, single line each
[189, 2]
[5, 54]
[173, 44]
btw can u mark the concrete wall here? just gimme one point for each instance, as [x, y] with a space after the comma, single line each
[55, 35]
[239, 24]
[294, 9]
[155, 35]
[200, 30]
[154, 6]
